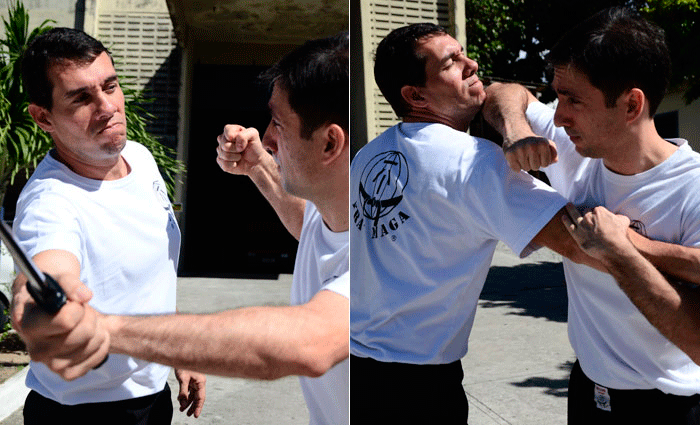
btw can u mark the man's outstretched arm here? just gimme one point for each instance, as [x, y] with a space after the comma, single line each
[251, 342]
[676, 261]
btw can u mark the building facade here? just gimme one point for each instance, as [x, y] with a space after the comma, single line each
[199, 60]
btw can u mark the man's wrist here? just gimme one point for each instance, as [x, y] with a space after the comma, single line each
[113, 325]
[619, 255]
[515, 133]
[263, 168]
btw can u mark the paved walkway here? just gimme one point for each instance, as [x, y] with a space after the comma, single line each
[517, 367]
[516, 371]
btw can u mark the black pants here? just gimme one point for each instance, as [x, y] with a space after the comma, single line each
[638, 407]
[156, 409]
[406, 394]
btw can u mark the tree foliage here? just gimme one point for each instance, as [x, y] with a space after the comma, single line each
[510, 38]
[23, 144]
[681, 21]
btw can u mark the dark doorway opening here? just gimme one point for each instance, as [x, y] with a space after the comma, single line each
[230, 230]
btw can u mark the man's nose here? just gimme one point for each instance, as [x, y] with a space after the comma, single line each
[106, 106]
[269, 140]
[561, 117]
[470, 67]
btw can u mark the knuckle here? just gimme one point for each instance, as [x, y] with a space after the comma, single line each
[72, 373]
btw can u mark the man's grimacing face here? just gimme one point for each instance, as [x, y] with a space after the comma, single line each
[452, 87]
[87, 120]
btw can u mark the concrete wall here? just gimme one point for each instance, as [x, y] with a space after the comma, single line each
[81, 13]
[61, 11]
[688, 117]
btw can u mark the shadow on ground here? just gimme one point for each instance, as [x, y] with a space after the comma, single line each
[536, 290]
[554, 387]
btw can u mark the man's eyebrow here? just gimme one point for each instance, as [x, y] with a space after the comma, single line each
[271, 108]
[451, 55]
[564, 92]
[79, 90]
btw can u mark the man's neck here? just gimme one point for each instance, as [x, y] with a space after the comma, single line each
[334, 208]
[644, 151]
[461, 124]
[113, 170]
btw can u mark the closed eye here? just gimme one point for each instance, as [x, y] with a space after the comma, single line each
[81, 97]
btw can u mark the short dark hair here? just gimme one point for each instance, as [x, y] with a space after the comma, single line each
[55, 47]
[397, 63]
[316, 78]
[618, 50]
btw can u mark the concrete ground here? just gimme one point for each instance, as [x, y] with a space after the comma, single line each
[516, 371]
[517, 367]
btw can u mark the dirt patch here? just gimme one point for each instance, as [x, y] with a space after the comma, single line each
[13, 355]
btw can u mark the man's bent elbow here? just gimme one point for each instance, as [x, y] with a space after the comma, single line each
[320, 360]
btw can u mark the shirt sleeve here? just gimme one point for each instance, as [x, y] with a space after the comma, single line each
[48, 222]
[340, 285]
[513, 207]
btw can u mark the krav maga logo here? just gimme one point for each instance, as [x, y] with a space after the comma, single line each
[381, 187]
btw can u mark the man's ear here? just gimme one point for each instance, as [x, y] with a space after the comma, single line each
[336, 142]
[635, 102]
[41, 117]
[413, 97]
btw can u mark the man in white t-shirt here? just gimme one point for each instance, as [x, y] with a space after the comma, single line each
[429, 204]
[633, 330]
[95, 211]
[304, 177]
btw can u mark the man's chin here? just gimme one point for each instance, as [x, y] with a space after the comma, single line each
[115, 146]
[587, 153]
[291, 189]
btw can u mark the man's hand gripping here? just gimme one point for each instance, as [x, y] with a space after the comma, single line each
[73, 341]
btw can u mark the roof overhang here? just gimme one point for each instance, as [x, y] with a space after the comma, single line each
[257, 21]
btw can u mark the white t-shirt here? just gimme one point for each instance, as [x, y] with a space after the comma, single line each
[428, 206]
[322, 263]
[615, 344]
[126, 238]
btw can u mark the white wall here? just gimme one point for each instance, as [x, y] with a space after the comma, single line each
[688, 117]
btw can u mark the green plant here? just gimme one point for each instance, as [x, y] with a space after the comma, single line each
[23, 144]
[6, 327]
